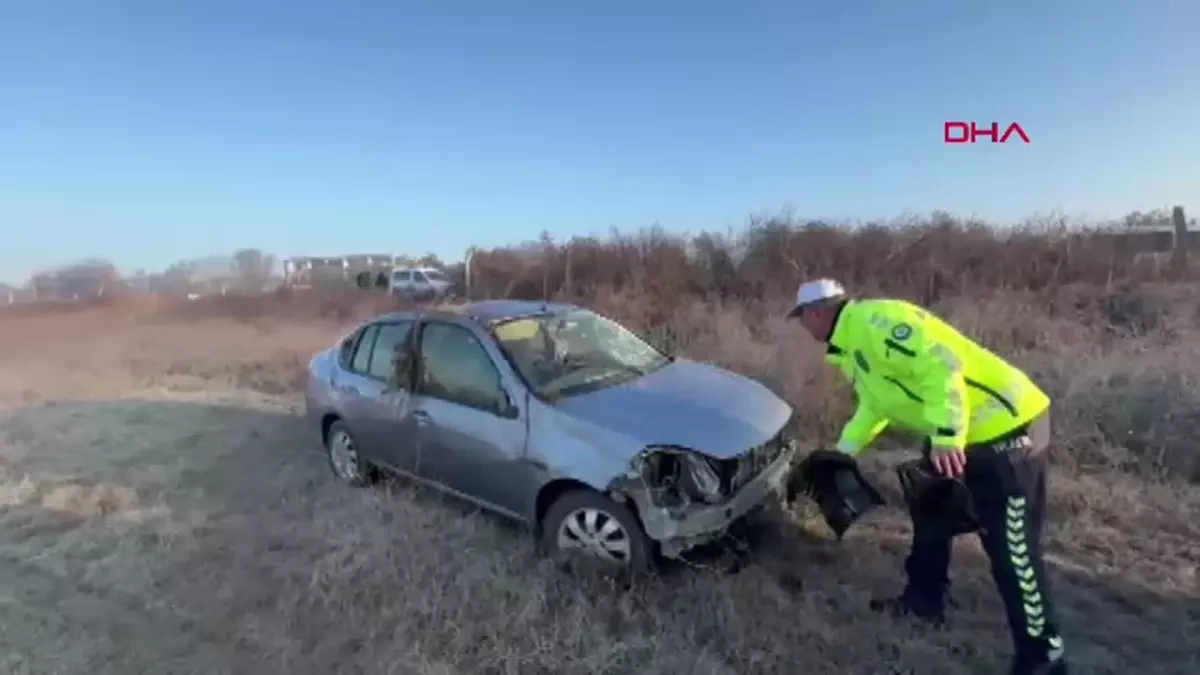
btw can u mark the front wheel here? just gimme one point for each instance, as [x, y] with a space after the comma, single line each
[591, 528]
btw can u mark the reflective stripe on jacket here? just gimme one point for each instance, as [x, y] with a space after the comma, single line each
[911, 369]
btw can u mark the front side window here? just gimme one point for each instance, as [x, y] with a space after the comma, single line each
[575, 352]
[456, 367]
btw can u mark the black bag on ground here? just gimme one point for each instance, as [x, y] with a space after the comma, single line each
[833, 480]
[935, 499]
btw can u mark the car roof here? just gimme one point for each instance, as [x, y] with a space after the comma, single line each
[486, 312]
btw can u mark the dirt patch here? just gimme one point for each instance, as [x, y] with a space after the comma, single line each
[90, 501]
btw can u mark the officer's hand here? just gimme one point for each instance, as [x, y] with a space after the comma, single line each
[949, 462]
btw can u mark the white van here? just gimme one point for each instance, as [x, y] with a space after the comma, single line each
[419, 283]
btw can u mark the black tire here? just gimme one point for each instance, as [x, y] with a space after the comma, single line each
[357, 472]
[576, 504]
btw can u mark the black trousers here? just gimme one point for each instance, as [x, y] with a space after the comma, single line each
[1007, 482]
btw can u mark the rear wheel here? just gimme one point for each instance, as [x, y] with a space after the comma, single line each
[590, 528]
[344, 459]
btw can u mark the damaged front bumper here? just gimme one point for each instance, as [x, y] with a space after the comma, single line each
[680, 528]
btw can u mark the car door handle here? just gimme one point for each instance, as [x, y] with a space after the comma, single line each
[422, 417]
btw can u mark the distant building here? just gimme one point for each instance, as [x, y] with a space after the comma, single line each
[307, 271]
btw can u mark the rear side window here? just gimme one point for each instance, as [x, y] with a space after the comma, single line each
[346, 352]
[389, 346]
[400, 276]
[362, 356]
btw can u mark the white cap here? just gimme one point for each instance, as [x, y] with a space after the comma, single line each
[815, 291]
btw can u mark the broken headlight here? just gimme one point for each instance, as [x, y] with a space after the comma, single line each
[700, 479]
[750, 465]
[677, 476]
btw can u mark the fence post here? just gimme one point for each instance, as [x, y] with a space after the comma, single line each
[567, 285]
[467, 272]
[1179, 254]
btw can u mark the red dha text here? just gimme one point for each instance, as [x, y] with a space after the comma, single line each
[969, 132]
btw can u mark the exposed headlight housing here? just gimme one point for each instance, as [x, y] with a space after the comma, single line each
[681, 475]
[754, 462]
[701, 479]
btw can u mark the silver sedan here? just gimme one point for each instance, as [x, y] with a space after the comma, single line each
[557, 417]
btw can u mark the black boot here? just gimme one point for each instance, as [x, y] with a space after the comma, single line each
[1056, 667]
[1040, 658]
[908, 605]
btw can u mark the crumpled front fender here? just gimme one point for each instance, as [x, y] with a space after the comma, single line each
[680, 527]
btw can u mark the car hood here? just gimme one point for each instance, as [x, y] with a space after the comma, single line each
[688, 404]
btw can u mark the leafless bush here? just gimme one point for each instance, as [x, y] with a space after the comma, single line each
[924, 260]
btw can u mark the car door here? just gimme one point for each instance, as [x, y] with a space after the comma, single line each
[352, 388]
[472, 431]
[381, 411]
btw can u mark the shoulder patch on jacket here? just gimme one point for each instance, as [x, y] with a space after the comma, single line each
[901, 332]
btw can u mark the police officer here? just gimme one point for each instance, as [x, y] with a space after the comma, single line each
[987, 424]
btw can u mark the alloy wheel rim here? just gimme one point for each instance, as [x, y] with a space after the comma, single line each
[595, 533]
[344, 456]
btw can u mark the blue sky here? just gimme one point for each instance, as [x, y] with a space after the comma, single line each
[148, 131]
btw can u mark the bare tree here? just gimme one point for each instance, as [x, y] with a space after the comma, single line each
[89, 278]
[429, 260]
[253, 268]
[175, 280]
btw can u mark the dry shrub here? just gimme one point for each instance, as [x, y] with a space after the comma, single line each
[1141, 416]
[1076, 309]
[922, 260]
[1064, 304]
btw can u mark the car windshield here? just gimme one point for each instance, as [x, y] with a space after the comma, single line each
[434, 275]
[575, 352]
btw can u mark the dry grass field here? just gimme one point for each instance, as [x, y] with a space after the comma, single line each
[166, 510]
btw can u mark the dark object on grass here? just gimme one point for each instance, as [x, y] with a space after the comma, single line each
[935, 499]
[833, 480]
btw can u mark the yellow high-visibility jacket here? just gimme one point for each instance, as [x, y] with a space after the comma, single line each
[911, 369]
